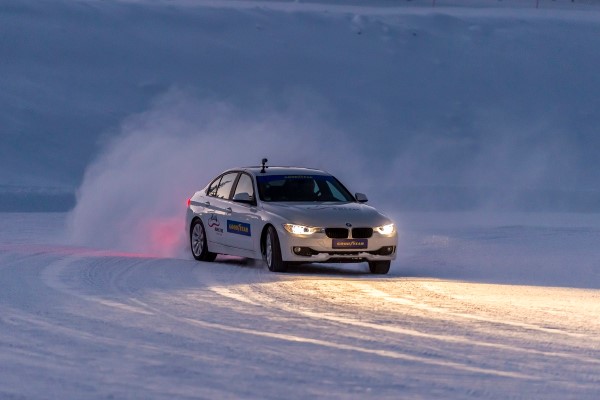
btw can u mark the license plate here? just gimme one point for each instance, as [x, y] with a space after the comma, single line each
[350, 243]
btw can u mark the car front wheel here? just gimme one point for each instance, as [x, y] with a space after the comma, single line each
[379, 267]
[198, 242]
[272, 252]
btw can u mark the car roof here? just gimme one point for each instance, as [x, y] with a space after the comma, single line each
[277, 170]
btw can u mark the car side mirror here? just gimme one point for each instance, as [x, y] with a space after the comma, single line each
[242, 197]
[361, 197]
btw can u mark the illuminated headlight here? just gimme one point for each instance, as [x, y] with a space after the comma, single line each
[386, 229]
[301, 229]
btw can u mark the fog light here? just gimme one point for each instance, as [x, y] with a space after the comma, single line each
[303, 251]
[386, 251]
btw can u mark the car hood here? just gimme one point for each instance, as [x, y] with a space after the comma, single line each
[328, 214]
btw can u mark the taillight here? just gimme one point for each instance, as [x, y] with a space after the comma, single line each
[189, 201]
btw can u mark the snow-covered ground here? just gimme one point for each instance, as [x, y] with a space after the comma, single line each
[473, 123]
[81, 323]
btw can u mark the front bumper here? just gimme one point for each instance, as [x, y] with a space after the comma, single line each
[319, 248]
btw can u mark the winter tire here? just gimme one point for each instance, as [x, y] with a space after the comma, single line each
[272, 252]
[379, 267]
[198, 242]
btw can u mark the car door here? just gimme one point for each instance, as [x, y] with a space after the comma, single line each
[219, 205]
[243, 225]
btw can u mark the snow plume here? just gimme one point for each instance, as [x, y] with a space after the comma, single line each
[133, 196]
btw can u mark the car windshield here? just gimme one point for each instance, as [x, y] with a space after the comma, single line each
[306, 188]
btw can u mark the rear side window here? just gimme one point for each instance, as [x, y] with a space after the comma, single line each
[221, 187]
[224, 189]
[212, 189]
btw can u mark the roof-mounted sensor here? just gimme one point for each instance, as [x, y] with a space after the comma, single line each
[264, 166]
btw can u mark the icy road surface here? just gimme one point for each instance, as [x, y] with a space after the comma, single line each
[79, 324]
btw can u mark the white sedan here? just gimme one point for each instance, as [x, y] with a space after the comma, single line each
[288, 215]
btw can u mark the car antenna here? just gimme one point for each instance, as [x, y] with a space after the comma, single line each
[264, 161]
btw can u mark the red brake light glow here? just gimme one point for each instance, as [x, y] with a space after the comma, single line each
[189, 201]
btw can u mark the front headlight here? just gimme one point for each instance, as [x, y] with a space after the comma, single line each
[386, 229]
[301, 229]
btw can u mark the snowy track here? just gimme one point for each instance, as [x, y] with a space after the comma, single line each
[471, 105]
[85, 324]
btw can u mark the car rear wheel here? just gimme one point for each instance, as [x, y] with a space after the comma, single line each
[272, 252]
[198, 242]
[379, 267]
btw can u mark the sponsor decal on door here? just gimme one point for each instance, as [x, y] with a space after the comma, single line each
[213, 222]
[238, 228]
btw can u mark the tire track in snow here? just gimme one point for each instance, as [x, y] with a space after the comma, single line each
[252, 295]
[302, 339]
[322, 314]
[341, 346]
[385, 296]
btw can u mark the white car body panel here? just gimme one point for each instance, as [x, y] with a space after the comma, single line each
[236, 228]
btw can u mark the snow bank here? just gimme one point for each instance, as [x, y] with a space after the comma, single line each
[446, 108]
[499, 100]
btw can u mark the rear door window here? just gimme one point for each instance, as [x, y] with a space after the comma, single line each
[224, 187]
[212, 189]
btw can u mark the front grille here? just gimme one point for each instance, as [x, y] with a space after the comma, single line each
[336, 233]
[362, 233]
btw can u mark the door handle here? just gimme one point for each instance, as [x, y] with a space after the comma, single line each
[229, 210]
[207, 203]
